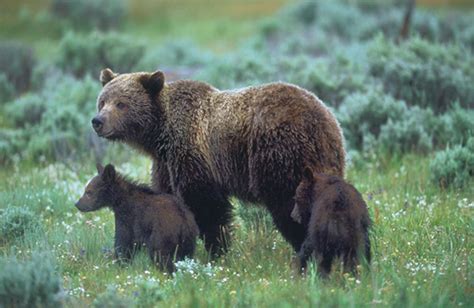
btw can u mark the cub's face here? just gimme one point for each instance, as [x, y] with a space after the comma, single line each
[90, 200]
[96, 193]
[126, 103]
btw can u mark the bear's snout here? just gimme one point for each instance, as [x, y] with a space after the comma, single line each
[97, 123]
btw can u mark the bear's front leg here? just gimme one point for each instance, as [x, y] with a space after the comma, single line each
[124, 244]
[212, 212]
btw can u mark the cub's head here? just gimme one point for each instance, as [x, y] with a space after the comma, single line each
[127, 103]
[99, 192]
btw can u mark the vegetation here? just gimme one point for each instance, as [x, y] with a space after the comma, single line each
[407, 111]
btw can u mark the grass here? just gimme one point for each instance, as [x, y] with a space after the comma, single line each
[219, 25]
[422, 245]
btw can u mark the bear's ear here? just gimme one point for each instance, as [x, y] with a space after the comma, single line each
[108, 174]
[106, 75]
[100, 168]
[154, 82]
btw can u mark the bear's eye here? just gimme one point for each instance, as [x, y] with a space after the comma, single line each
[101, 104]
[121, 105]
[88, 192]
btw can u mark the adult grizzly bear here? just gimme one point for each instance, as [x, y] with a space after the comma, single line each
[208, 144]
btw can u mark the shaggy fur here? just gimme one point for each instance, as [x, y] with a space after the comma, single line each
[142, 218]
[208, 144]
[337, 221]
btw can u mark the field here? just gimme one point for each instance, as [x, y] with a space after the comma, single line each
[406, 108]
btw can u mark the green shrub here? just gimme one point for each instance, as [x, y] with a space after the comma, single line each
[6, 89]
[149, 294]
[424, 74]
[454, 166]
[16, 63]
[248, 67]
[82, 54]
[30, 283]
[12, 142]
[330, 80]
[410, 133]
[455, 126]
[252, 217]
[15, 222]
[363, 115]
[171, 54]
[111, 299]
[90, 14]
[53, 123]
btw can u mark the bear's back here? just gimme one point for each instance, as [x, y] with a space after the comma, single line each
[169, 215]
[338, 199]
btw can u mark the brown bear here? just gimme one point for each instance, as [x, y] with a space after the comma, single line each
[337, 221]
[142, 218]
[207, 144]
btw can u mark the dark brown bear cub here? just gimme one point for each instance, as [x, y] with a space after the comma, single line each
[336, 219]
[142, 217]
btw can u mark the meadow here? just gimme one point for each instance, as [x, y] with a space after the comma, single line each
[406, 108]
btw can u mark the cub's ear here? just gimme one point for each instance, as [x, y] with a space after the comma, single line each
[154, 82]
[108, 174]
[308, 174]
[295, 214]
[100, 168]
[106, 75]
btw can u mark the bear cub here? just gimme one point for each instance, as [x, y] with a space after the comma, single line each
[160, 222]
[337, 223]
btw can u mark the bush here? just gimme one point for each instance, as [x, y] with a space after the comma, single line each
[54, 122]
[149, 294]
[16, 63]
[82, 54]
[173, 54]
[31, 283]
[90, 14]
[456, 126]
[15, 222]
[454, 166]
[363, 115]
[248, 67]
[410, 133]
[251, 217]
[111, 299]
[6, 89]
[424, 74]
[330, 80]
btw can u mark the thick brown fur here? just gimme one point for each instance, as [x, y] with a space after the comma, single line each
[337, 221]
[208, 144]
[142, 218]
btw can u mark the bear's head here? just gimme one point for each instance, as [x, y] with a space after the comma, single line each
[100, 191]
[127, 103]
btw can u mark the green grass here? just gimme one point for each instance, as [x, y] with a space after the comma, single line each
[216, 24]
[422, 245]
